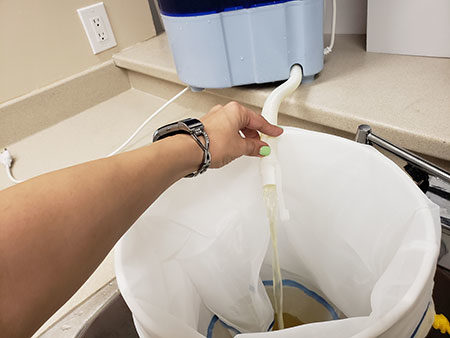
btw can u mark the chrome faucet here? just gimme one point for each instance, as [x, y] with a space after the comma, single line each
[364, 135]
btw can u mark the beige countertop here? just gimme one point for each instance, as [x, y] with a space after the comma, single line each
[405, 99]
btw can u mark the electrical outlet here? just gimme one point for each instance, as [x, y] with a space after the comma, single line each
[97, 27]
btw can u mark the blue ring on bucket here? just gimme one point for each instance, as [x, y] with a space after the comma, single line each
[213, 322]
[291, 283]
[308, 292]
[420, 322]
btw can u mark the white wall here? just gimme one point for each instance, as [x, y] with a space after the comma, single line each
[413, 27]
[351, 16]
[44, 41]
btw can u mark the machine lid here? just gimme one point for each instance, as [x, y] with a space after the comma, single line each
[205, 7]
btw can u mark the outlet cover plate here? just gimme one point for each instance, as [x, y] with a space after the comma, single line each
[97, 27]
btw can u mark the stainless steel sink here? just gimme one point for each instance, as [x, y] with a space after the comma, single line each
[105, 314]
[113, 321]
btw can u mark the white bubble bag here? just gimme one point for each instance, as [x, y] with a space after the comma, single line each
[360, 249]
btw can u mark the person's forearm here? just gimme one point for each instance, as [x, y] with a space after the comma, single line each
[55, 229]
[70, 220]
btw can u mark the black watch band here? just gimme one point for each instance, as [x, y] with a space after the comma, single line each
[193, 127]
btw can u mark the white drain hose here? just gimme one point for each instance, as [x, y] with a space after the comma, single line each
[270, 168]
[273, 101]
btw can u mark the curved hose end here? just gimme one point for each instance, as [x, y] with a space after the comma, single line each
[273, 101]
[296, 75]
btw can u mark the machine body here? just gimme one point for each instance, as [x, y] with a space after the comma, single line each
[219, 44]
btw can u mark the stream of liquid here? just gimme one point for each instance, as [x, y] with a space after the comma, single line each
[271, 201]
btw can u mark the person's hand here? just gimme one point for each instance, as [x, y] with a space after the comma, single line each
[223, 124]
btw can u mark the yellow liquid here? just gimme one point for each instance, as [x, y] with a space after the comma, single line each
[289, 321]
[271, 201]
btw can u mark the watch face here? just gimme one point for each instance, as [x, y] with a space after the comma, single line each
[187, 126]
[192, 123]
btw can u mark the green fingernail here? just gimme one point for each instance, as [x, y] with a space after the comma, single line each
[264, 151]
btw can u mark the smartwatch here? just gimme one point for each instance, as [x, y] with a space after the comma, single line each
[193, 127]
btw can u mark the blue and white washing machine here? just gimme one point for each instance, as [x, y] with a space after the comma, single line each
[218, 44]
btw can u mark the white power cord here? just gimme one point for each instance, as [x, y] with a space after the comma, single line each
[329, 49]
[7, 160]
[164, 106]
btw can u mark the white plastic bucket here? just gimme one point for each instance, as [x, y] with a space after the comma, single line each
[360, 233]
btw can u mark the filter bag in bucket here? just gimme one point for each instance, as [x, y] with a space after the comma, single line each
[360, 232]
